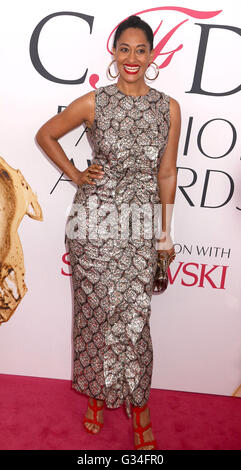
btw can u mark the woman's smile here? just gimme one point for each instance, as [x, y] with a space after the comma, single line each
[131, 68]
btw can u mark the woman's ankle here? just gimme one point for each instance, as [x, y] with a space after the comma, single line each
[143, 415]
[99, 402]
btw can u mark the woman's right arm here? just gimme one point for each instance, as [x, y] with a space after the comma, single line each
[80, 110]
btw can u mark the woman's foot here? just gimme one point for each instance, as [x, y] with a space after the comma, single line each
[147, 434]
[90, 414]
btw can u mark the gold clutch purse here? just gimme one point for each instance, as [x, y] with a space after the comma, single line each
[165, 257]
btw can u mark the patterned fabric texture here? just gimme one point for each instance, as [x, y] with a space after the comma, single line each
[113, 268]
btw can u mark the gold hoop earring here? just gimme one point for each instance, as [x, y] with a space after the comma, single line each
[157, 68]
[108, 70]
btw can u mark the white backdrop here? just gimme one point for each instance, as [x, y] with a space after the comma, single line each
[196, 323]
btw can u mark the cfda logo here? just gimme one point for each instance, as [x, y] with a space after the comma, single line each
[162, 56]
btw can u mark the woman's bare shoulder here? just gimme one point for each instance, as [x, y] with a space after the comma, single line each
[85, 105]
[174, 104]
[175, 111]
[79, 111]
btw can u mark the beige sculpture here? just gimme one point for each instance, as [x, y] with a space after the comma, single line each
[16, 196]
[237, 392]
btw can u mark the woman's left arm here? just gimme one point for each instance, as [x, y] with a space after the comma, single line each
[167, 176]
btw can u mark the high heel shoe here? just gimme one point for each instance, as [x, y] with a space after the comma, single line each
[140, 429]
[95, 409]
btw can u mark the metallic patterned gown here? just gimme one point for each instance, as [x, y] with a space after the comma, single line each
[112, 260]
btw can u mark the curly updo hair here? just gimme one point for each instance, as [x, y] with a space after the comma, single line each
[134, 22]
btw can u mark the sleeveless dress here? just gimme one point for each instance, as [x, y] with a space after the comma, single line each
[112, 269]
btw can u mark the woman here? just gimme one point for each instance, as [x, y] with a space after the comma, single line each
[135, 132]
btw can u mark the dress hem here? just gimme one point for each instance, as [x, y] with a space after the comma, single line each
[125, 402]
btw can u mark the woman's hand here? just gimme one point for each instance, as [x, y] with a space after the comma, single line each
[171, 252]
[86, 176]
[165, 244]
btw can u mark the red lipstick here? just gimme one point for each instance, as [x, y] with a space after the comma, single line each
[132, 69]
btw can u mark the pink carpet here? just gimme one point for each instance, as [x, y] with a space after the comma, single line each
[47, 414]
